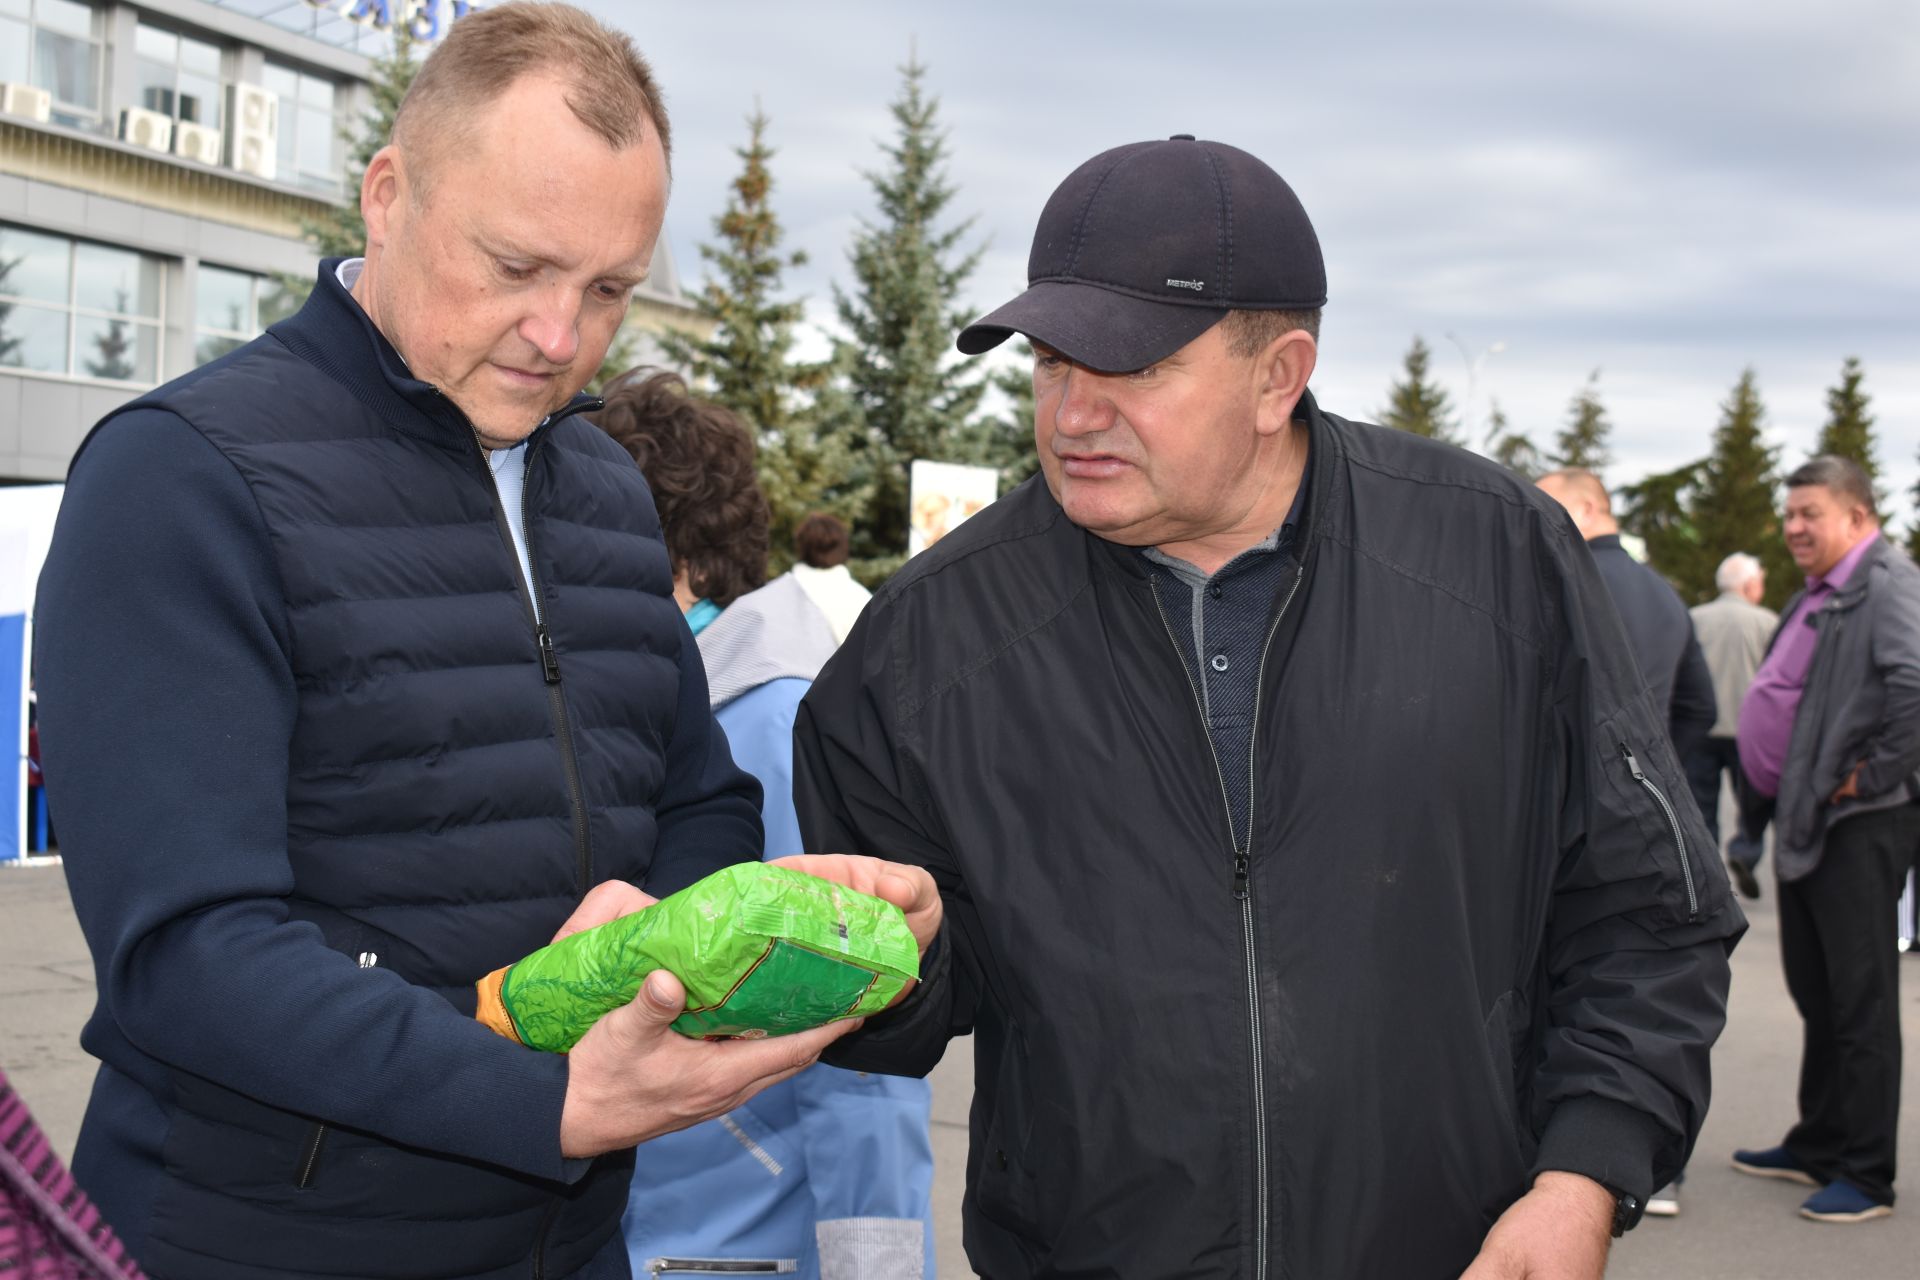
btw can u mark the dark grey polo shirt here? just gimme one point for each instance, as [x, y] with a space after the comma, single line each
[1220, 626]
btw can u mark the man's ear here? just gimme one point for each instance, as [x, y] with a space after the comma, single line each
[383, 194]
[1283, 369]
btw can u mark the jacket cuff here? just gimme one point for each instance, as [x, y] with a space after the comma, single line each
[933, 969]
[1608, 1141]
[871, 1248]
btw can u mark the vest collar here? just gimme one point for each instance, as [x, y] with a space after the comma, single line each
[333, 334]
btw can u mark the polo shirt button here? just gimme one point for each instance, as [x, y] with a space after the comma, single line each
[1215, 591]
[1220, 662]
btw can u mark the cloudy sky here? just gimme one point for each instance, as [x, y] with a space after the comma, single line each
[1667, 190]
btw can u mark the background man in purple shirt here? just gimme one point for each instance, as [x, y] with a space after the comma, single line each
[1829, 740]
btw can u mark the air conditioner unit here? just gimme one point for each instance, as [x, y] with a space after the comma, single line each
[144, 128]
[26, 100]
[197, 142]
[253, 140]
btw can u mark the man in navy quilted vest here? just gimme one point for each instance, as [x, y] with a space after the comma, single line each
[361, 676]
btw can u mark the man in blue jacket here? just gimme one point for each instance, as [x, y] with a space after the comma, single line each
[361, 675]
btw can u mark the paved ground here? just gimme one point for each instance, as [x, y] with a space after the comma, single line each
[1733, 1227]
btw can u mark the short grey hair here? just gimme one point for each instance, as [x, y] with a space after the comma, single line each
[1248, 333]
[1736, 571]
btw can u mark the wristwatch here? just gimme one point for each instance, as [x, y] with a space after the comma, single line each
[1626, 1211]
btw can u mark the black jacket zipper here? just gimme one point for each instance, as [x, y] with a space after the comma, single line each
[318, 1139]
[1673, 822]
[1243, 893]
[543, 639]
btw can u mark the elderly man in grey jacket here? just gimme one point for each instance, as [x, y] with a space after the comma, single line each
[1733, 631]
[1829, 738]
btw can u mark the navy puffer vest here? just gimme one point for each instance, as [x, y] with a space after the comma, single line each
[459, 775]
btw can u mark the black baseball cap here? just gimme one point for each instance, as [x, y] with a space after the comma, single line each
[1145, 247]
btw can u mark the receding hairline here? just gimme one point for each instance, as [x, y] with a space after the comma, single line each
[607, 84]
[424, 142]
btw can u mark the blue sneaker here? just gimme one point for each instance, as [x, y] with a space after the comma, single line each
[1774, 1162]
[1841, 1201]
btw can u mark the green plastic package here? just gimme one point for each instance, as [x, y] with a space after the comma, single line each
[761, 950]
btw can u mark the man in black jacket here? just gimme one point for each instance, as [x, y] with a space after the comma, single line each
[1659, 629]
[1321, 889]
[1660, 633]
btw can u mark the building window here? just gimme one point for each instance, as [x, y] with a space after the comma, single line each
[233, 307]
[52, 44]
[306, 128]
[78, 309]
[178, 76]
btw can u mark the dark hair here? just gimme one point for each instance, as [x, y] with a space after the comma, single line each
[698, 459]
[821, 541]
[1843, 477]
[1248, 333]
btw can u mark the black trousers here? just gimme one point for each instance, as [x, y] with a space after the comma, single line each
[1837, 939]
[1704, 764]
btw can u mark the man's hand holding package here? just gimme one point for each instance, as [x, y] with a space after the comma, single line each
[909, 888]
[632, 1077]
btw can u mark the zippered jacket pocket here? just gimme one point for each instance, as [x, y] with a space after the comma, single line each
[721, 1266]
[1680, 850]
[310, 1154]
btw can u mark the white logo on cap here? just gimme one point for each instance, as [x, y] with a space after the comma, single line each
[1197, 286]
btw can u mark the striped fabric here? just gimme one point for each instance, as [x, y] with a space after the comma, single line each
[49, 1230]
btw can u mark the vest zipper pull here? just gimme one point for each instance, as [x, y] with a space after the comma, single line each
[1240, 876]
[549, 660]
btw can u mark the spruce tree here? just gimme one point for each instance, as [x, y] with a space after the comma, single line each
[1512, 449]
[1848, 431]
[1582, 442]
[113, 353]
[1657, 511]
[907, 394]
[747, 361]
[1004, 441]
[1735, 505]
[1418, 404]
[113, 348]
